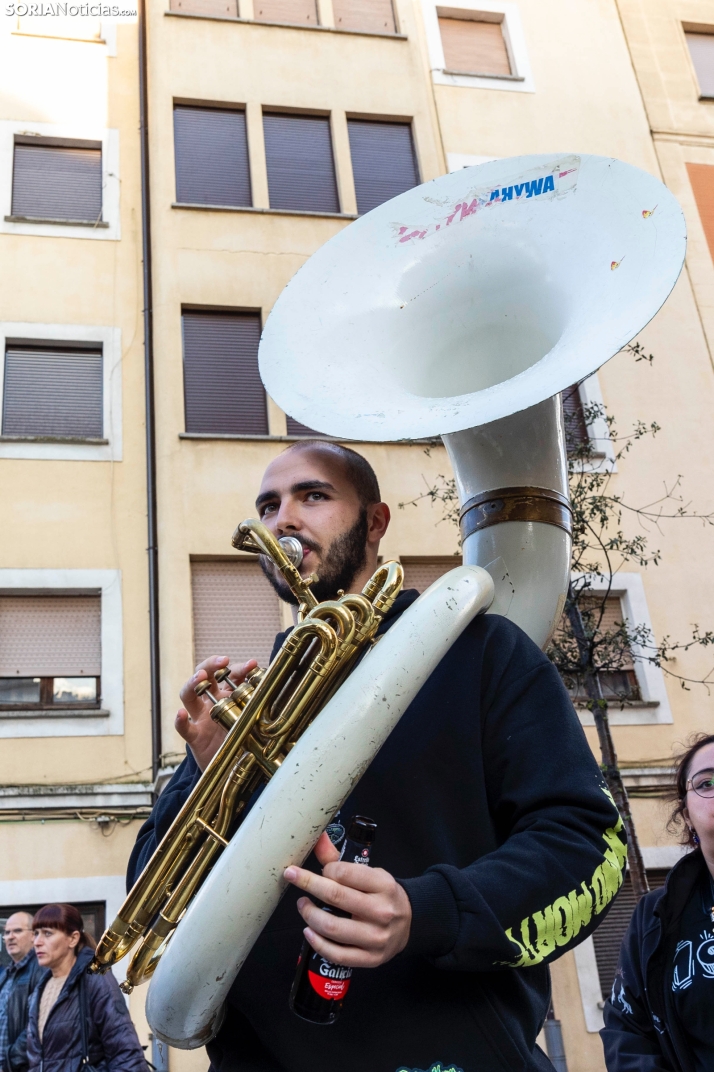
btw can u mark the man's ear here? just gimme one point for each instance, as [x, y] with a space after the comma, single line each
[378, 518]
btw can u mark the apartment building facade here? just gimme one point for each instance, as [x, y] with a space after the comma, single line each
[272, 125]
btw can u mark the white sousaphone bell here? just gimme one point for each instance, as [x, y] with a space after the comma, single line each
[461, 308]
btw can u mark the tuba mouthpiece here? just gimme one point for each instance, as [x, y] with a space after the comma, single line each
[293, 549]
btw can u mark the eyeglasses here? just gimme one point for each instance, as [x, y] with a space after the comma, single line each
[702, 783]
[16, 931]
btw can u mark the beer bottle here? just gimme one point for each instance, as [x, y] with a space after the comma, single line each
[320, 987]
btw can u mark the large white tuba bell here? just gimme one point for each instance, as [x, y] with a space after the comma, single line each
[461, 308]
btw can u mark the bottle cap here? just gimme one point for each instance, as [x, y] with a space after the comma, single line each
[361, 830]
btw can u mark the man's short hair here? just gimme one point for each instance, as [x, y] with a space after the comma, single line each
[359, 472]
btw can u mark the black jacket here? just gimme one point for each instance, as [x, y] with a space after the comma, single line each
[642, 1031]
[24, 982]
[492, 812]
[113, 1045]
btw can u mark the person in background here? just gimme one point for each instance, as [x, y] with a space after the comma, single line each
[659, 1017]
[17, 982]
[55, 1039]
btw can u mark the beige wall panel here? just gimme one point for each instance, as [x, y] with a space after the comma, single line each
[36, 850]
[663, 64]
[61, 514]
[586, 98]
[583, 1051]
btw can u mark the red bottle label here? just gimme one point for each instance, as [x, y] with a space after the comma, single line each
[331, 981]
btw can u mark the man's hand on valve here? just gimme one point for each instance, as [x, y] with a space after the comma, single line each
[193, 720]
[380, 909]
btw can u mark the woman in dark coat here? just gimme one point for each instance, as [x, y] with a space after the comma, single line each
[660, 1015]
[54, 1031]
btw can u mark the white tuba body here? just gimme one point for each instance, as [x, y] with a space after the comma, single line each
[460, 308]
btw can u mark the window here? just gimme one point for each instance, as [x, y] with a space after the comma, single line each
[701, 49]
[211, 150]
[53, 390]
[383, 161]
[419, 573]
[57, 180]
[50, 652]
[576, 430]
[701, 176]
[370, 16]
[235, 611]
[93, 916]
[223, 390]
[607, 939]
[295, 428]
[301, 169]
[474, 43]
[298, 12]
[617, 684]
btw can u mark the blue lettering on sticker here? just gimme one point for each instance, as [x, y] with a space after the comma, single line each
[548, 184]
[534, 188]
[506, 195]
[495, 195]
[519, 188]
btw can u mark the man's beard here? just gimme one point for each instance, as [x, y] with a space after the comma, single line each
[345, 558]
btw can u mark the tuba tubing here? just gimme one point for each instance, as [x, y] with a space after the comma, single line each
[187, 993]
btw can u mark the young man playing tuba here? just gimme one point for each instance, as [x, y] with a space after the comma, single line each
[499, 847]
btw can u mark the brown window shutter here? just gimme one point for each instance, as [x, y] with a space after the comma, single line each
[701, 49]
[48, 636]
[301, 169]
[383, 161]
[211, 150]
[472, 47]
[607, 939]
[52, 392]
[296, 12]
[295, 428]
[576, 430]
[235, 611]
[370, 16]
[701, 176]
[419, 573]
[223, 389]
[220, 8]
[57, 182]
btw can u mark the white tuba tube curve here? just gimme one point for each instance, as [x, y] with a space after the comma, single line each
[185, 1000]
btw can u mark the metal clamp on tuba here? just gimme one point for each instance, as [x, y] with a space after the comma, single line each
[264, 717]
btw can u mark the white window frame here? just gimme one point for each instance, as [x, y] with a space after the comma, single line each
[598, 431]
[655, 709]
[108, 888]
[521, 81]
[107, 30]
[110, 722]
[584, 954]
[111, 229]
[110, 341]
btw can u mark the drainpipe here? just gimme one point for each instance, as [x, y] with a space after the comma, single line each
[153, 548]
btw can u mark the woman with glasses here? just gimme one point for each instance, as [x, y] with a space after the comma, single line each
[660, 1014]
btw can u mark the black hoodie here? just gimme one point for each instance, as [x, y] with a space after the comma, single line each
[492, 813]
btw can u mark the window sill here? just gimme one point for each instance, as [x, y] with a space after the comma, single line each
[241, 437]
[288, 25]
[480, 74]
[266, 211]
[618, 705]
[60, 223]
[53, 713]
[83, 440]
